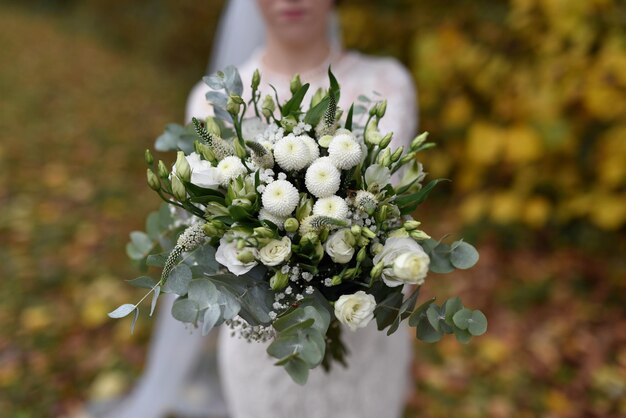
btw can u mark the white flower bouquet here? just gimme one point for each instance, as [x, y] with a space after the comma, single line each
[287, 224]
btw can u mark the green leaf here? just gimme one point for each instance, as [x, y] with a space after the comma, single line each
[477, 323]
[178, 280]
[426, 332]
[239, 214]
[463, 255]
[408, 203]
[294, 103]
[451, 307]
[134, 321]
[155, 297]
[254, 296]
[144, 282]
[203, 292]
[461, 318]
[419, 312]
[437, 318]
[298, 370]
[139, 246]
[439, 254]
[334, 89]
[387, 310]
[229, 305]
[153, 228]
[348, 124]
[307, 342]
[122, 311]
[185, 310]
[463, 336]
[157, 260]
[211, 316]
[314, 115]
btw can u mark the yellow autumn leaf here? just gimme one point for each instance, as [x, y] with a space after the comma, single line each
[485, 142]
[522, 144]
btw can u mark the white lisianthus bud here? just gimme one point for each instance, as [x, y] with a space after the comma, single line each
[411, 267]
[178, 189]
[356, 310]
[405, 262]
[153, 180]
[275, 252]
[183, 171]
[419, 140]
[340, 246]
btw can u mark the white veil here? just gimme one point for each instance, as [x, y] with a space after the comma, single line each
[181, 371]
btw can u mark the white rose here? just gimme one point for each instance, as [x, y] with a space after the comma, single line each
[411, 268]
[275, 252]
[227, 253]
[355, 311]
[203, 174]
[339, 246]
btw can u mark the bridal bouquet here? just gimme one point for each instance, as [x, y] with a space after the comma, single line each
[287, 224]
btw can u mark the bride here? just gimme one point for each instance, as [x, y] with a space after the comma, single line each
[282, 38]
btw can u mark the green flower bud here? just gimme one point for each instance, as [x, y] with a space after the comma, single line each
[183, 170]
[279, 281]
[317, 97]
[419, 140]
[216, 209]
[233, 105]
[204, 150]
[372, 135]
[409, 157]
[377, 248]
[360, 256]
[291, 225]
[372, 111]
[324, 234]
[397, 154]
[377, 270]
[411, 225]
[162, 170]
[309, 238]
[381, 214]
[212, 127]
[178, 189]
[241, 243]
[356, 230]
[324, 141]
[240, 149]
[243, 202]
[336, 280]
[386, 140]
[210, 230]
[305, 206]
[288, 123]
[381, 108]
[362, 241]
[153, 181]
[263, 232]
[419, 235]
[351, 273]
[148, 157]
[295, 84]
[246, 256]
[368, 233]
[256, 79]
[268, 106]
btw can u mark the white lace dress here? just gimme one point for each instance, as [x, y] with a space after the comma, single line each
[377, 380]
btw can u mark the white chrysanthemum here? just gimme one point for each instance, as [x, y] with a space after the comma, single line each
[333, 206]
[280, 198]
[344, 151]
[322, 178]
[266, 215]
[314, 149]
[291, 153]
[230, 167]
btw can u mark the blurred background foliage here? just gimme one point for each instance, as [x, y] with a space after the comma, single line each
[525, 98]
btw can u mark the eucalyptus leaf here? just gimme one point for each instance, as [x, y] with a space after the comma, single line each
[134, 321]
[387, 310]
[203, 292]
[212, 315]
[144, 282]
[229, 304]
[420, 312]
[139, 246]
[425, 331]
[185, 310]
[178, 280]
[463, 336]
[122, 311]
[463, 255]
[461, 318]
[298, 370]
[477, 324]
[217, 98]
[452, 306]
[232, 81]
[157, 260]
[215, 81]
[155, 297]
[439, 256]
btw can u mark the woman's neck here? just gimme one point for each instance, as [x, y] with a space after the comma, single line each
[288, 59]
